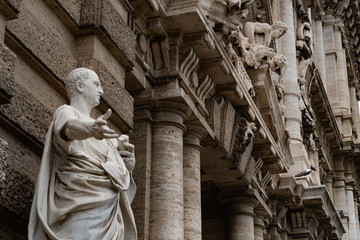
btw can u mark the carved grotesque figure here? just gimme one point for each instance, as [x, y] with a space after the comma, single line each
[270, 31]
[84, 187]
[239, 6]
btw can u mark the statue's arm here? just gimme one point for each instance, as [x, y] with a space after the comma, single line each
[76, 129]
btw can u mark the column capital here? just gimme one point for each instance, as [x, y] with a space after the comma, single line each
[240, 205]
[171, 113]
[349, 187]
[195, 130]
[193, 135]
[260, 215]
[319, 16]
[329, 177]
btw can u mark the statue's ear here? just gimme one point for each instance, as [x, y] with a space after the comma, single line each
[80, 86]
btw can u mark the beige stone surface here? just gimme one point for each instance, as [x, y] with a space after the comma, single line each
[167, 192]
[159, 59]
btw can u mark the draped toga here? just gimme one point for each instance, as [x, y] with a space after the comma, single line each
[83, 190]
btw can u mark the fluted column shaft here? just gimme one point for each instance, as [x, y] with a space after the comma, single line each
[351, 210]
[240, 218]
[167, 195]
[320, 50]
[192, 182]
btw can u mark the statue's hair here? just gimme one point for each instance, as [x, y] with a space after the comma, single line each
[78, 74]
[281, 26]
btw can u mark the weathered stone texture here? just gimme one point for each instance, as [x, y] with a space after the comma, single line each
[141, 137]
[73, 8]
[42, 44]
[7, 68]
[114, 94]
[15, 3]
[3, 158]
[16, 189]
[16, 192]
[28, 113]
[10, 8]
[104, 16]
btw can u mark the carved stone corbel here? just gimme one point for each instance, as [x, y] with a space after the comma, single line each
[242, 137]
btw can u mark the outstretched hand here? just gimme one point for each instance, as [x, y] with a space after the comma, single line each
[100, 130]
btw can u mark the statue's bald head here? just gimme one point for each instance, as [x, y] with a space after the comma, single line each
[78, 74]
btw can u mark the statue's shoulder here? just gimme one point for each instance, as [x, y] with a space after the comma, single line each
[65, 109]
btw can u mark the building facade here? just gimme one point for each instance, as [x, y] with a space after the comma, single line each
[244, 113]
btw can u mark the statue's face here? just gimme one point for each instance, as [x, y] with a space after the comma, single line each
[92, 90]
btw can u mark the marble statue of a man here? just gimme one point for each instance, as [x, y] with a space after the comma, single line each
[85, 186]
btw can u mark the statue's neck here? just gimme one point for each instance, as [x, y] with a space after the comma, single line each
[80, 105]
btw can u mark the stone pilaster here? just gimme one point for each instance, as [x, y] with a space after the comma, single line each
[351, 210]
[340, 193]
[192, 181]
[240, 218]
[167, 195]
[319, 48]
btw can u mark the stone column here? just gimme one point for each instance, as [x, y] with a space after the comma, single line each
[167, 195]
[351, 210]
[293, 118]
[329, 184]
[319, 47]
[330, 59]
[287, 47]
[192, 181]
[340, 192]
[259, 224]
[240, 218]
